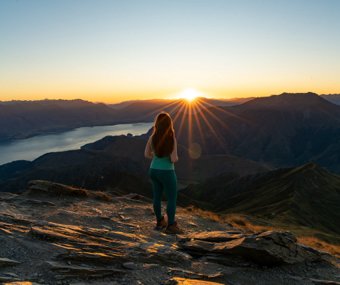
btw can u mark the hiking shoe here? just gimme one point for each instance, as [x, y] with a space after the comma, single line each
[161, 224]
[173, 229]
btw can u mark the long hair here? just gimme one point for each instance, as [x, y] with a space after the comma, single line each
[163, 135]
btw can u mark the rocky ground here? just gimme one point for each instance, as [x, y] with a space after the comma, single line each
[56, 234]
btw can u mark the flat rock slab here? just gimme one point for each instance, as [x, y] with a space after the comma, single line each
[186, 281]
[76, 271]
[213, 236]
[192, 274]
[324, 282]
[163, 253]
[8, 262]
[22, 283]
[267, 248]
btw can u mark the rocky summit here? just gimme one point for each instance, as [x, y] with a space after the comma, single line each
[58, 234]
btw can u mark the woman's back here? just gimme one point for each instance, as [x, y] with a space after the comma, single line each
[162, 162]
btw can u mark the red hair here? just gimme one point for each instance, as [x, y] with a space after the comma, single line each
[163, 135]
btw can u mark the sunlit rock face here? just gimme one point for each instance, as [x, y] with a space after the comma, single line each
[56, 234]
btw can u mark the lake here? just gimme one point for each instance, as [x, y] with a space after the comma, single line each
[31, 148]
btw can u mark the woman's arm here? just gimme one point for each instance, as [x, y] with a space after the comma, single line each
[148, 151]
[174, 155]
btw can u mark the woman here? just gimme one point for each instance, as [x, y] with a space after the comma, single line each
[162, 149]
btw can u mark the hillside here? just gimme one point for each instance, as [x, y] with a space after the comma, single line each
[152, 103]
[307, 196]
[282, 130]
[115, 161]
[56, 234]
[21, 119]
[146, 110]
[334, 98]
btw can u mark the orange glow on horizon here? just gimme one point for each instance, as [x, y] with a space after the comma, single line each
[119, 96]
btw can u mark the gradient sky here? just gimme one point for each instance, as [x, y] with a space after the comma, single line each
[118, 50]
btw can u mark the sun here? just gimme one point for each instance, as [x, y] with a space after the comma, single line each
[189, 94]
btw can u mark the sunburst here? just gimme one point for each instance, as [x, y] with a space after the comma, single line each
[189, 94]
[192, 109]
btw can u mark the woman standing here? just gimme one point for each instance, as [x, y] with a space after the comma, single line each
[162, 149]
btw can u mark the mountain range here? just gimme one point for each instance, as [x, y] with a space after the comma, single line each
[251, 158]
[22, 119]
[281, 130]
[334, 98]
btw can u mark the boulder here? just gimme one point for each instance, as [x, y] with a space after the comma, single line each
[267, 248]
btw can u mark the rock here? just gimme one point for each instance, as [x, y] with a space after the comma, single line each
[109, 258]
[56, 189]
[163, 253]
[267, 248]
[213, 236]
[150, 265]
[68, 271]
[130, 265]
[186, 281]
[6, 277]
[97, 211]
[7, 196]
[35, 202]
[22, 283]
[136, 197]
[192, 274]
[324, 282]
[8, 262]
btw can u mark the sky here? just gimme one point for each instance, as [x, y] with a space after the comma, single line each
[112, 50]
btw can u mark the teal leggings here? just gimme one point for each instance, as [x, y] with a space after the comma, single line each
[164, 180]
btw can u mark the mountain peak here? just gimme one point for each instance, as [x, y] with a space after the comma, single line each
[288, 101]
[308, 168]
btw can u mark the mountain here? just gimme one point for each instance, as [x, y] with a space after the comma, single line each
[21, 119]
[146, 110]
[116, 161]
[164, 102]
[59, 234]
[307, 195]
[281, 130]
[334, 98]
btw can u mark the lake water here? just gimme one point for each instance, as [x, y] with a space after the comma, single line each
[31, 148]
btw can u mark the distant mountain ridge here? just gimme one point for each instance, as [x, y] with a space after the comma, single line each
[334, 98]
[21, 119]
[280, 130]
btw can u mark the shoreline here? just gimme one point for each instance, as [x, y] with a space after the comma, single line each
[33, 147]
[6, 141]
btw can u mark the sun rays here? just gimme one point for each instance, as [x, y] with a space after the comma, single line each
[190, 94]
[197, 120]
